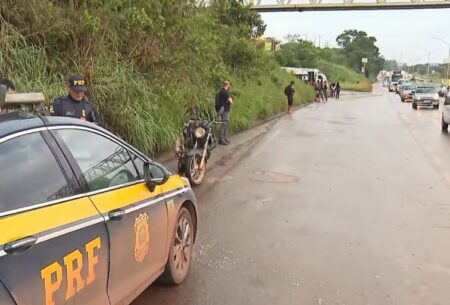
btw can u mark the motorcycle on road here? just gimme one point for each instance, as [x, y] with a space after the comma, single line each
[194, 149]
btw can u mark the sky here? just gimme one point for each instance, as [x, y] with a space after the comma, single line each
[403, 35]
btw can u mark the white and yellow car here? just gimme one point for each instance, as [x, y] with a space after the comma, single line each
[85, 218]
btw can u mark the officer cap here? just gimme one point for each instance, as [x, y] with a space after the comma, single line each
[77, 83]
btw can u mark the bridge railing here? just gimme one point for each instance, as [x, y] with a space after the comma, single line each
[304, 5]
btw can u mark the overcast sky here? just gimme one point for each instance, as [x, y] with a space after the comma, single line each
[406, 32]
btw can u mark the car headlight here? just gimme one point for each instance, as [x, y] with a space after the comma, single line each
[200, 132]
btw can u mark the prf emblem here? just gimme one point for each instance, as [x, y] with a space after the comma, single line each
[79, 82]
[142, 236]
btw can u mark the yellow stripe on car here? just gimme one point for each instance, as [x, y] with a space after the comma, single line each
[124, 197]
[43, 219]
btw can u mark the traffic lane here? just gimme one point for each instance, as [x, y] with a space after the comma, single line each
[327, 209]
[424, 125]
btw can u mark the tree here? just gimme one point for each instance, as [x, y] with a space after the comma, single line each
[235, 13]
[357, 45]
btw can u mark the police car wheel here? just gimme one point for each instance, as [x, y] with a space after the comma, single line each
[181, 250]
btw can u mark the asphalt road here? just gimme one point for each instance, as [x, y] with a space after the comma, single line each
[346, 202]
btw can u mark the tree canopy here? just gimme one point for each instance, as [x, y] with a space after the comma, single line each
[353, 46]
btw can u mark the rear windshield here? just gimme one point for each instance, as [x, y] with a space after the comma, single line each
[426, 90]
[395, 78]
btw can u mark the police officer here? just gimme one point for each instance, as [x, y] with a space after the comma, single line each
[75, 104]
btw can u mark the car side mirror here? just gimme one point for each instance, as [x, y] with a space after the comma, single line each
[154, 175]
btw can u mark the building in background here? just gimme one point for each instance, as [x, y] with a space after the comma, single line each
[271, 44]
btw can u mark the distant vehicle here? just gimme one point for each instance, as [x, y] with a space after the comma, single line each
[406, 92]
[425, 96]
[385, 82]
[446, 114]
[393, 81]
[401, 83]
[307, 74]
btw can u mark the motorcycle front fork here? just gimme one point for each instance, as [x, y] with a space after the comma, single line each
[205, 151]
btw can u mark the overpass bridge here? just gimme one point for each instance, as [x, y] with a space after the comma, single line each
[343, 5]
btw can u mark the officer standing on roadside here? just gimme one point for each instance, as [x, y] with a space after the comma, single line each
[75, 104]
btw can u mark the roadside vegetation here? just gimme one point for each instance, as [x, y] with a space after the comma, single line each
[342, 64]
[147, 62]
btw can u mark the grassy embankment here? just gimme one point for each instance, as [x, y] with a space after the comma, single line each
[348, 78]
[146, 65]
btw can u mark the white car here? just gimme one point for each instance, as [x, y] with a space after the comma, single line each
[392, 86]
[446, 114]
[425, 96]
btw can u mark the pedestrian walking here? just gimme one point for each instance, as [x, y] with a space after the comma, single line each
[338, 90]
[289, 91]
[332, 89]
[317, 90]
[321, 90]
[325, 91]
[223, 107]
[75, 104]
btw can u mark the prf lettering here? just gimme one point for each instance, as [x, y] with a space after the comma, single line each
[52, 275]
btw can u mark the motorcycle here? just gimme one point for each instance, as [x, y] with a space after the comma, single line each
[194, 149]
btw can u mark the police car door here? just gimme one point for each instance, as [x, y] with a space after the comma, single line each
[53, 242]
[136, 217]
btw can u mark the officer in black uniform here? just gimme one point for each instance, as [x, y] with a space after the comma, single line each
[75, 104]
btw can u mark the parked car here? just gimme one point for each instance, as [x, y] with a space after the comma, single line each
[425, 96]
[446, 114]
[406, 92]
[85, 218]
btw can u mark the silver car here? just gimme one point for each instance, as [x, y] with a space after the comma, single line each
[401, 83]
[425, 96]
[406, 92]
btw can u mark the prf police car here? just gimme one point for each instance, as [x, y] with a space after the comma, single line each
[86, 218]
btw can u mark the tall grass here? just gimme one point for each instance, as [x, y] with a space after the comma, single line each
[347, 77]
[361, 87]
[147, 111]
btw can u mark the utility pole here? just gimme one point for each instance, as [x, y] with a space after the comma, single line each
[448, 63]
[448, 59]
[428, 68]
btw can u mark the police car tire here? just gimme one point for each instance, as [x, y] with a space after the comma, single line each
[169, 276]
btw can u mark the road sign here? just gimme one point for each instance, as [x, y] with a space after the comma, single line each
[363, 69]
[364, 60]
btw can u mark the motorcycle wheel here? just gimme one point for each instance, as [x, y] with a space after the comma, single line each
[194, 173]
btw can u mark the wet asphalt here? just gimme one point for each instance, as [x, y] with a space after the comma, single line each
[345, 202]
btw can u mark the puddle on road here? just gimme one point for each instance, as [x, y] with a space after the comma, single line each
[266, 176]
